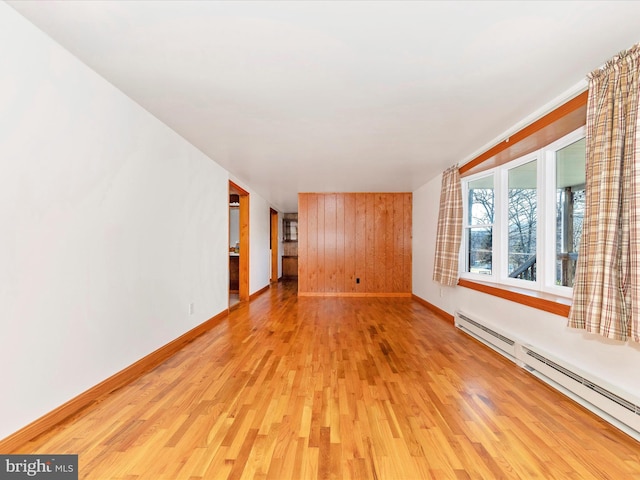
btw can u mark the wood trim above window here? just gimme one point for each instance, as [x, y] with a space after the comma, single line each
[541, 301]
[563, 120]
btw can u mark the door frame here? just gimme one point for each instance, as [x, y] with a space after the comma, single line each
[243, 260]
[275, 240]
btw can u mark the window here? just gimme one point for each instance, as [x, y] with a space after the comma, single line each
[523, 219]
[479, 229]
[522, 201]
[570, 202]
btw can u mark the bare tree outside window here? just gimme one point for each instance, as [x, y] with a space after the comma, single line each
[522, 233]
[523, 221]
[480, 231]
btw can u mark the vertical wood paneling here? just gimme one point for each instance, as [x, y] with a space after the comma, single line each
[303, 243]
[361, 240]
[407, 253]
[398, 243]
[312, 240]
[369, 242]
[389, 246]
[330, 243]
[350, 242]
[340, 243]
[346, 236]
[321, 244]
[380, 249]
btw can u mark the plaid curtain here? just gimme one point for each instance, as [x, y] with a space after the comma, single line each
[449, 229]
[606, 291]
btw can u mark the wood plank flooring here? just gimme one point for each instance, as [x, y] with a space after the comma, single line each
[320, 388]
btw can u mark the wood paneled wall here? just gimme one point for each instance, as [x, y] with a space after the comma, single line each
[343, 237]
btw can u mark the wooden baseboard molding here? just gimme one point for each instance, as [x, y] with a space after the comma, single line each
[94, 394]
[259, 292]
[352, 294]
[438, 311]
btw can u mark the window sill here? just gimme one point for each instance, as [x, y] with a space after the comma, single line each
[540, 300]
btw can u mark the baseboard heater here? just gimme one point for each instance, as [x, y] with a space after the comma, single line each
[488, 335]
[620, 409]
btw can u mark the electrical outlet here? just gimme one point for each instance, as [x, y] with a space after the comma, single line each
[441, 293]
[191, 308]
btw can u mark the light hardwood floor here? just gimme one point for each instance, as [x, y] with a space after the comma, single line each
[306, 388]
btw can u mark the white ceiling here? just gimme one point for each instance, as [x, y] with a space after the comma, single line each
[340, 96]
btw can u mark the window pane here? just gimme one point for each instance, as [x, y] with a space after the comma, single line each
[570, 201]
[522, 221]
[481, 201]
[480, 242]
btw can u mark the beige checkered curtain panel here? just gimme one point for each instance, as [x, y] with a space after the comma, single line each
[449, 229]
[606, 292]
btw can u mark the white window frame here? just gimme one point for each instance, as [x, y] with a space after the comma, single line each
[465, 215]
[503, 276]
[550, 193]
[545, 230]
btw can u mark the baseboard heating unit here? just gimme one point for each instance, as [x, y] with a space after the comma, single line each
[618, 408]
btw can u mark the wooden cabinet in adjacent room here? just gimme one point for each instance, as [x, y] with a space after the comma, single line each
[234, 273]
[290, 266]
[290, 244]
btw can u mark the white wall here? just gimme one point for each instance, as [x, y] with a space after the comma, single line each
[111, 224]
[615, 362]
[424, 223]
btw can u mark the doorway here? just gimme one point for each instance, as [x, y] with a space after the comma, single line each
[239, 251]
[274, 240]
